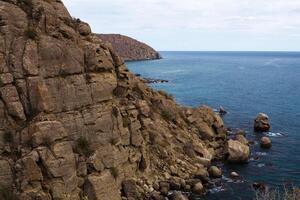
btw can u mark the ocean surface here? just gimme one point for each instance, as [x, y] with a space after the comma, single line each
[244, 83]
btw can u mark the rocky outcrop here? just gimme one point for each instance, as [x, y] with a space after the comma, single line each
[261, 122]
[129, 48]
[74, 122]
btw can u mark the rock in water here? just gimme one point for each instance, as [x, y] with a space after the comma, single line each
[234, 175]
[265, 142]
[261, 122]
[241, 139]
[215, 172]
[222, 111]
[237, 152]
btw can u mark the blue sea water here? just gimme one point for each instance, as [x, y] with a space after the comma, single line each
[244, 83]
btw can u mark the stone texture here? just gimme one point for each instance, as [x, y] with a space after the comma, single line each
[237, 151]
[261, 122]
[81, 122]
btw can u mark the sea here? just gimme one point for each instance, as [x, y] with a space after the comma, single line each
[245, 84]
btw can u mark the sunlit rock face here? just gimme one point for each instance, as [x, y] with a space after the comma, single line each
[74, 122]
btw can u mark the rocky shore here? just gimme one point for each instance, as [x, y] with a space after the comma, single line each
[130, 49]
[77, 124]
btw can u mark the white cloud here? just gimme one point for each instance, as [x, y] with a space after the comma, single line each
[255, 17]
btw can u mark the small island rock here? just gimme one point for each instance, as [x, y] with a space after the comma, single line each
[261, 122]
[198, 188]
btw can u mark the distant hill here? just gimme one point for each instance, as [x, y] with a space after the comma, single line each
[129, 48]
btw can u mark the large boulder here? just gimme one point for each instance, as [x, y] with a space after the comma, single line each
[261, 122]
[237, 152]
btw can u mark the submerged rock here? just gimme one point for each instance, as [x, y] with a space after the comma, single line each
[237, 152]
[265, 142]
[261, 122]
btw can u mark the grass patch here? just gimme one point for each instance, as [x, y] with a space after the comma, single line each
[168, 115]
[286, 194]
[83, 146]
[114, 172]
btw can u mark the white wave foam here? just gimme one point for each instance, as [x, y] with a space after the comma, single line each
[261, 153]
[271, 134]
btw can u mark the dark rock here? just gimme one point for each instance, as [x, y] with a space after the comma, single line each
[222, 111]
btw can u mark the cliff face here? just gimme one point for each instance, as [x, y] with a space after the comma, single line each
[75, 122]
[129, 48]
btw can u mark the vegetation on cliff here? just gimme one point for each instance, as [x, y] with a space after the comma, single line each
[129, 48]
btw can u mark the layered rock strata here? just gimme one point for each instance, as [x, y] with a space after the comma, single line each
[75, 123]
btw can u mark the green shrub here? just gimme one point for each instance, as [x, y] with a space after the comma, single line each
[167, 114]
[126, 122]
[114, 172]
[83, 146]
[8, 137]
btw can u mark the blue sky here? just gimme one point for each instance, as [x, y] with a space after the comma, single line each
[206, 25]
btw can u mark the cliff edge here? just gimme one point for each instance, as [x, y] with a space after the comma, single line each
[76, 124]
[130, 49]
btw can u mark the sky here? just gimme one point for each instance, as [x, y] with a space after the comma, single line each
[197, 25]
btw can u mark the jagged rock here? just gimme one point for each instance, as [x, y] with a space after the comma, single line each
[222, 111]
[265, 142]
[237, 152]
[62, 88]
[130, 190]
[102, 186]
[261, 122]
[178, 196]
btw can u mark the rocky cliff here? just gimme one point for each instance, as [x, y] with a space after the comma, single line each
[129, 48]
[76, 124]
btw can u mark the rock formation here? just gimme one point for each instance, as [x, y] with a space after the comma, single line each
[129, 48]
[261, 122]
[74, 122]
[237, 152]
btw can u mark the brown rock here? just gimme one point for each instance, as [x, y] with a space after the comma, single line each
[178, 196]
[237, 152]
[215, 172]
[102, 186]
[241, 139]
[198, 188]
[265, 142]
[261, 122]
